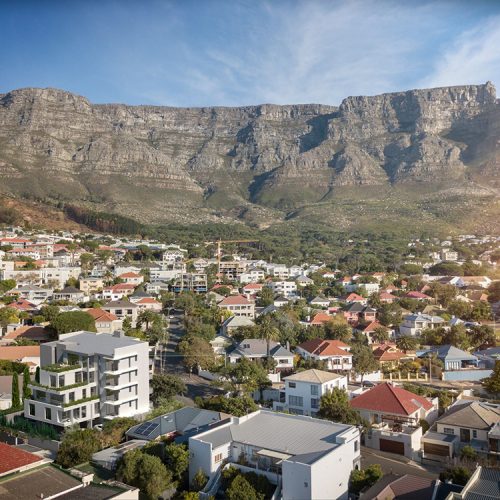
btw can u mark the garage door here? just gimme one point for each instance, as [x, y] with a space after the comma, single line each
[436, 449]
[392, 446]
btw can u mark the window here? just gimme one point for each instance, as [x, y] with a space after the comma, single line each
[356, 446]
[218, 457]
[474, 433]
[448, 430]
[314, 390]
[84, 393]
[48, 414]
[32, 409]
[71, 396]
[84, 412]
[76, 413]
[295, 400]
[292, 385]
[314, 403]
[53, 381]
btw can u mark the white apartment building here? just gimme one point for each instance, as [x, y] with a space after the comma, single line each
[252, 276]
[238, 306]
[413, 324]
[306, 457]
[285, 288]
[303, 391]
[279, 271]
[86, 378]
[34, 294]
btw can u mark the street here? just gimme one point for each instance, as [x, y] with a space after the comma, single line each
[168, 360]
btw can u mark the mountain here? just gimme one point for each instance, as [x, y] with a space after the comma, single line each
[419, 157]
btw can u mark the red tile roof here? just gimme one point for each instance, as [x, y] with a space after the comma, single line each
[148, 300]
[387, 296]
[354, 297]
[12, 459]
[373, 326]
[29, 332]
[22, 305]
[13, 353]
[417, 295]
[130, 275]
[253, 286]
[101, 315]
[321, 318]
[325, 347]
[235, 300]
[389, 399]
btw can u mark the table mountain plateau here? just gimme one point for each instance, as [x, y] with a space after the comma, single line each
[431, 156]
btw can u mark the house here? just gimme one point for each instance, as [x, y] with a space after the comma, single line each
[123, 309]
[238, 305]
[178, 425]
[33, 333]
[86, 378]
[474, 281]
[304, 281]
[413, 324]
[109, 458]
[285, 288]
[303, 391]
[105, 322]
[389, 356]
[71, 294]
[220, 344]
[320, 319]
[257, 349]
[251, 290]
[262, 441]
[132, 278]
[353, 298]
[280, 301]
[233, 323]
[417, 295]
[488, 357]
[320, 301]
[150, 304]
[116, 292]
[484, 484]
[90, 286]
[23, 305]
[406, 487]
[252, 275]
[394, 414]
[386, 297]
[190, 282]
[33, 294]
[369, 329]
[334, 352]
[473, 423]
[29, 354]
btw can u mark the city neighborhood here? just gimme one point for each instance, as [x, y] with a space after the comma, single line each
[133, 368]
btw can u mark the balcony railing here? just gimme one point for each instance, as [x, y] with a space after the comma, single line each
[61, 367]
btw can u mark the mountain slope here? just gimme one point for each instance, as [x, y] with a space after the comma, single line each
[421, 154]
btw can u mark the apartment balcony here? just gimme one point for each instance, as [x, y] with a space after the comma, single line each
[115, 400]
[62, 367]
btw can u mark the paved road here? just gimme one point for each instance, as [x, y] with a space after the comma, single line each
[396, 464]
[170, 361]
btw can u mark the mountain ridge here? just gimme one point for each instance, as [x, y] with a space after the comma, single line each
[256, 164]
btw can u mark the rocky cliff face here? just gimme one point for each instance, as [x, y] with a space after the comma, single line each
[161, 163]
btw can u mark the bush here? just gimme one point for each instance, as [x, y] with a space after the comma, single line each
[78, 446]
[361, 479]
[424, 424]
[38, 429]
[457, 475]
[241, 489]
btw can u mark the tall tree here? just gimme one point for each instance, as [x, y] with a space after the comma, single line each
[492, 383]
[268, 331]
[16, 400]
[334, 406]
[26, 381]
[363, 360]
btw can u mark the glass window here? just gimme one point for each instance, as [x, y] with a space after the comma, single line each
[53, 381]
[84, 393]
[449, 430]
[76, 413]
[314, 403]
[295, 400]
[474, 433]
[356, 445]
[314, 390]
[32, 409]
[84, 411]
[71, 396]
[48, 414]
[292, 385]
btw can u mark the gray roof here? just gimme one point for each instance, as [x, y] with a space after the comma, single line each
[487, 485]
[472, 414]
[120, 303]
[258, 347]
[292, 434]
[451, 353]
[70, 289]
[91, 343]
[424, 317]
[181, 422]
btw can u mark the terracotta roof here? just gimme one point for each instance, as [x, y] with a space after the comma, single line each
[390, 399]
[121, 286]
[130, 275]
[234, 300]
[321, 318]
[322, 347]
[12, 459]
[388, 353]
[417, 295]
[13, 353]
[253, 286]
[373, 326]
[352, 297]
[22, 305]
[387, 296]
[148, 300]
[101, 315]
[29, 332]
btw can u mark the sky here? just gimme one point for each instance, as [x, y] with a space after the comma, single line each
[241, 52]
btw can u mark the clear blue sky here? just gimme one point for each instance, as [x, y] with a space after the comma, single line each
[237, 52]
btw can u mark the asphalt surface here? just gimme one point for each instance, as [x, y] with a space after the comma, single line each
[396, 464]
[168, 360]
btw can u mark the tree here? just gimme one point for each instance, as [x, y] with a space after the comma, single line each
[7, 285]
[492, 383]
[446, 269]
[114, 430]
[37, 375]
[380, 335]
[363, 360]
[266, 297]
[247, 376]
[238, 407]
[468, 453]
[482, 336]
[390, 315]
[78, 446]
[8, 315]
[146, 317]
[16, 400]
[481, 311]
[144, 471]
[177, 460]
[49, 312]
[26, 381]
[334, 406]
[457, 475]
[197, 353]
[494, 292]
[73, 321]
[471, 269]
[338, 329]
[199, 481]
[361, 479]
[406, 343]
[268, 332]
[241, 489]
[166, 387]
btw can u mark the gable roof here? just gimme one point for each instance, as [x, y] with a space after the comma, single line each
[233, 300]
[38, 333]
[101, 315]
[121, 303]
[322, 347]
[13, 353]
[473, 414]
[258, 347]
[450, 353]
[388, 398]
[130, 275]
[320, 318]
[314, 376]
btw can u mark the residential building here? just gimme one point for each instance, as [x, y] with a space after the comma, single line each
[406, 487]
[71, 294]
[335, 353]
[413, 324]
[474, 281]
[34, 294]
[190, 282]
[295, 452]
[394, 414]
[86, 378]
[233, 323]
[252, 275]
[389, 356]
[232, 270]
[257, 349]
[285, 288]
[28, 354]
[238, 306]
[90, 286]
[484, 484]
[303, 391]
[320, 301]
[251, 290]
[105, 322]
[132, 278]
[117, 292]
[123, 309]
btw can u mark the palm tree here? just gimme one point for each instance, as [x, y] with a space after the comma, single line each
[406, 343]
[269, 332]
[380, 335]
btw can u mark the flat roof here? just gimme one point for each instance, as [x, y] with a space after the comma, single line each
[289, 434]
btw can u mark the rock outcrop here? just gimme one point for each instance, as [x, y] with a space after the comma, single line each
[187, 164]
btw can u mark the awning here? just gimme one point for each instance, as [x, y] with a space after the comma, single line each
[273, 454]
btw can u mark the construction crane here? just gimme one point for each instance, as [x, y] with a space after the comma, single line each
[219, 248]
